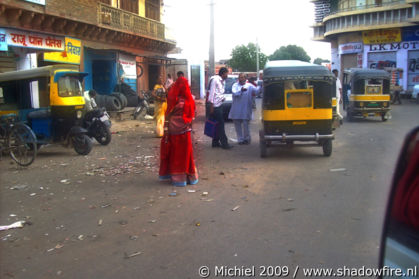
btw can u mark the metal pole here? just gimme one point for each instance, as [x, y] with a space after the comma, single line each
[257, 58]
[211, 63]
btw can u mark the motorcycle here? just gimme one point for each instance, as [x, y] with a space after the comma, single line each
[98, 124]
[143, 105]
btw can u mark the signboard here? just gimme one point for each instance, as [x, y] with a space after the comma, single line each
[381, 36]
[350, 48]
[34, 40]
[381, 60]
[128, 65]
[3, 42]
[412, 45]
[71, 54]
[413, 69]
[410, 33]
[40, 2]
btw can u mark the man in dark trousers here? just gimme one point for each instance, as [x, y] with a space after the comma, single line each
[215, 100]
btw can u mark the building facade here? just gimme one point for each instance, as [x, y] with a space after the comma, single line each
[109, 39]
[371, 34]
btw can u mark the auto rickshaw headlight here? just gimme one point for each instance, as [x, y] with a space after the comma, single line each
[385, 104]
[79, 114]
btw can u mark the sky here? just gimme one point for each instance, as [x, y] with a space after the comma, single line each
[273, 23]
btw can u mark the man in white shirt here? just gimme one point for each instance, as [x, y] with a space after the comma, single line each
[241, 109]
[215, 100]
[338, 94]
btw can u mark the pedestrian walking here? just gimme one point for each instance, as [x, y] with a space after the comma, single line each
[176, 152]
[338, 94]
[160, 96]
[215, 99]
[241, 108]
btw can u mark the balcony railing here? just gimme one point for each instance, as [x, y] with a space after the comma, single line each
[126, 21]
[365, 7]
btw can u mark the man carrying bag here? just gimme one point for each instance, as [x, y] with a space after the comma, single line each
[215, 99]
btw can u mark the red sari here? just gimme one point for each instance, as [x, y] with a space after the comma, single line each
[176, 153]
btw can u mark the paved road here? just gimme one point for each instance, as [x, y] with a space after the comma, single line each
[89, 213]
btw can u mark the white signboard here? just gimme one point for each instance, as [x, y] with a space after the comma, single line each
[34, 40]
[40, 2]
[350, 48]
[128, 65]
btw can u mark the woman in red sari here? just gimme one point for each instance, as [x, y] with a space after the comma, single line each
[176, 154]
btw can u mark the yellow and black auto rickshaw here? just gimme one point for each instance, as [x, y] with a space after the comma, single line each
[368, 92]
[297, 105]
[50, 100]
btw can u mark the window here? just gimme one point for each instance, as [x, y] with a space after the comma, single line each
[69, 87]
[129, 5]
[299, 98]
[152, 9]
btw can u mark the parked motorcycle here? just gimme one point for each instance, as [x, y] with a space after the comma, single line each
[98, 124]
[143, 107]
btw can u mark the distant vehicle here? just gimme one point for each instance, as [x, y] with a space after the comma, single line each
[369, 92]
[415, 95]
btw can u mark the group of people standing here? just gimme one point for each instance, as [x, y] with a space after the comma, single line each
[176, 149]
[244, 93]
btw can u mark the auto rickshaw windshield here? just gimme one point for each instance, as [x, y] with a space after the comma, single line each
[69, 86]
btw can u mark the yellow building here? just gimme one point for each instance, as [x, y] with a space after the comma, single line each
[106, 38]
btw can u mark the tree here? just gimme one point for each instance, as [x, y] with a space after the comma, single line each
[290, 52]
[243, 58]
[319, 61]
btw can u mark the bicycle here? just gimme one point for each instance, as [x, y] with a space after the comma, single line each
[18, 140]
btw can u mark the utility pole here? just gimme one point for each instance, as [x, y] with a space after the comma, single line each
[257, 58]
[211, 63]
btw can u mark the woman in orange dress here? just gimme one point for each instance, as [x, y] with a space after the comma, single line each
[176, 152]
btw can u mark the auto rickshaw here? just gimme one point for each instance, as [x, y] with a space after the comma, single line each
[368, 92]
[297, 105]
[50, 101]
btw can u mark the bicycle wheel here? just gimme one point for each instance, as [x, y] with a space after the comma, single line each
[22, 145]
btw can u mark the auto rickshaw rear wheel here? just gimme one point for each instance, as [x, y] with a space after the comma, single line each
[82, 144]
[383, 117]
[327, 147]
[262, 144]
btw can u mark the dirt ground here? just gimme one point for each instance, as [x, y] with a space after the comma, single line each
[70, 201]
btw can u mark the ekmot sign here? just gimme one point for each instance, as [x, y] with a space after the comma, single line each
[413, 45]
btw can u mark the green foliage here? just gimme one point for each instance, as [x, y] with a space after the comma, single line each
[243, 58]
[290, 52]
[319, 61]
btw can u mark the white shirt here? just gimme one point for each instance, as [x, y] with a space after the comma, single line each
[338, 87]
[216, 92]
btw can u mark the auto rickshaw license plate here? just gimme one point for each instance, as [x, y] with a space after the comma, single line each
[299, 122]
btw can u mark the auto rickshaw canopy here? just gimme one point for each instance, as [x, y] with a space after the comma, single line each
[45, 71]
[359, 73]
[280, 70]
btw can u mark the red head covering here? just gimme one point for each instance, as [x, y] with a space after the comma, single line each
[180, 89]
